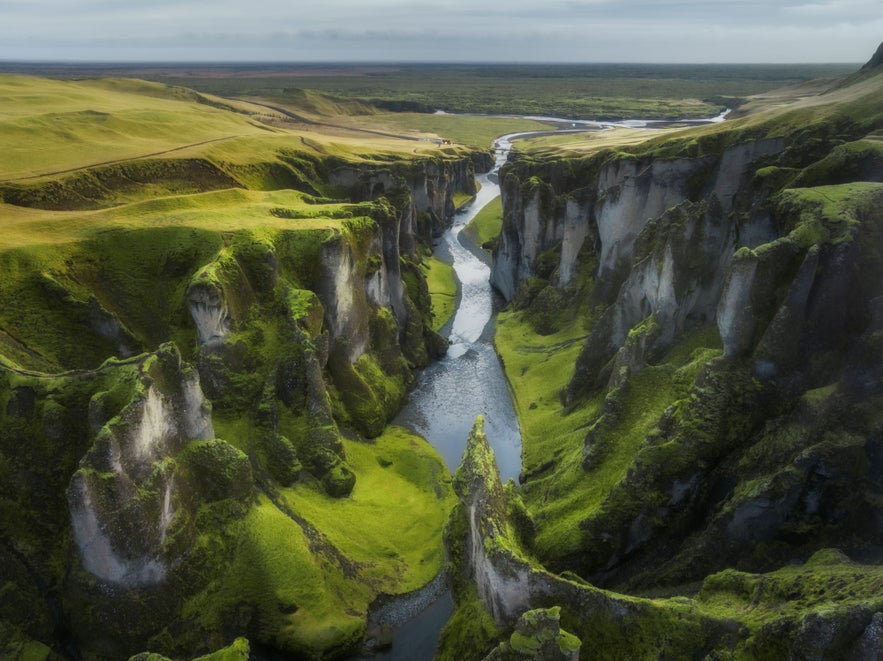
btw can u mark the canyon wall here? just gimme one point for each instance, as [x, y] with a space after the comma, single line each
[754, 240]
[147, 472]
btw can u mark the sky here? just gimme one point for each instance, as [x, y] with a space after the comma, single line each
[441, 30]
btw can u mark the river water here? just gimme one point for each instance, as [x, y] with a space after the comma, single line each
[450, 393]
[469, 380]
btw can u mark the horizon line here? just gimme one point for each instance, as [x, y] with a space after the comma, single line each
[350, 63]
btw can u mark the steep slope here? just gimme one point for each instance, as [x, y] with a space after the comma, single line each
[199, 359]
[694, 345]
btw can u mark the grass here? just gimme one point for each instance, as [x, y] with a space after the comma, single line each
[538, 368]
[825, 104]
[51, 126]
[48, 127]
[563, 493]
[392, 522]
[472, 130]
[311, 589]
[227, 210]
[587, 91]
[579, 144]
[486, 225]
[829, 584]
[442, 283]
[302, 600]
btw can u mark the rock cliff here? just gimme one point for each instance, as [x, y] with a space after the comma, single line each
[503, 594]
[724, 285]
[283, 342]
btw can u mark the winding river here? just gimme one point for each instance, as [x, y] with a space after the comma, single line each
[452, 391]
[469, 380]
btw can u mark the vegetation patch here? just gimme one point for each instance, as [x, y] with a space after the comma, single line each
[487, 224]
[442, 283]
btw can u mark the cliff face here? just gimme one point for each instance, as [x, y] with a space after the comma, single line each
[657, 228]
[742, 272]
[291, 339]
[504, 594]
[430, 185]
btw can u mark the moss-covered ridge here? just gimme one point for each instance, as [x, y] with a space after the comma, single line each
[694, 347]
[829, 605]
[302, 319]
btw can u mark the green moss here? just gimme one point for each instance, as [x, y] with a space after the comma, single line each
[771, 606]
[461, 199]
[392, 521]
[484, 229]
[218, 470]
[369, 395]
[16, 646]
[470, 633]
[827, 214]
[442, 284]
[239, 650]
[560, 495]
[538, 635]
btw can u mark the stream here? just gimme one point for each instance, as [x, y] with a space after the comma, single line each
[469, 380]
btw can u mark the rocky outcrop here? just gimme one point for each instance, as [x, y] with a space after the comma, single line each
[611, 207]
[430, 184]
[876, 60]
[124, 496]
[654, 232]
[528, 603]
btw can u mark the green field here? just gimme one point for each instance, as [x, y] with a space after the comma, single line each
[442, 283]
[601, 91]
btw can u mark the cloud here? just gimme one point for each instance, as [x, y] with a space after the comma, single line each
[556, 30]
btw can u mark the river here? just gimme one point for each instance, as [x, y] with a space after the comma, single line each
[469, 380]
[452, 391]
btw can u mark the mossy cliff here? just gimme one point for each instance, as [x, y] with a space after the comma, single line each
[193, 415]
[510, 607]
[694, 342]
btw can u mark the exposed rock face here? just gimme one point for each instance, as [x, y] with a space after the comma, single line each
[489, 553]
[125, 473]
[430, 185]
[658, 229]
[876, 60]
[611, 207]
[659, 247]
[209, 311]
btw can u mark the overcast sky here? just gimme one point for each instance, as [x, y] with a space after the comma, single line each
[442, 30]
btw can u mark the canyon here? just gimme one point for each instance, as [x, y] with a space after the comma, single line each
[200, 373]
